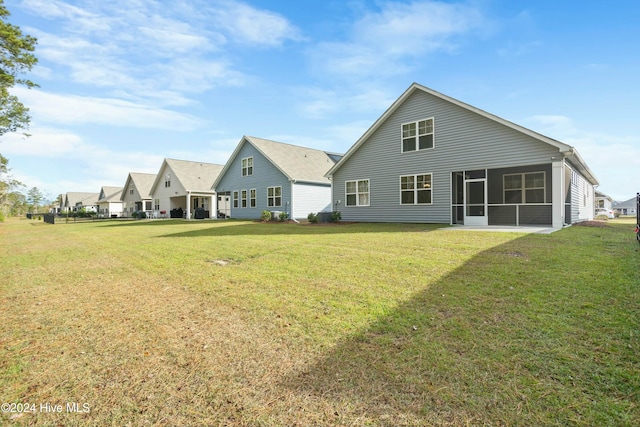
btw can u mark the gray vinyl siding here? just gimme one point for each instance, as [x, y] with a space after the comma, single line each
[463, 140]
[265, 175]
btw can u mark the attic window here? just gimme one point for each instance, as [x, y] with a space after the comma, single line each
[417, 135]
[247, 166]
[167, 180]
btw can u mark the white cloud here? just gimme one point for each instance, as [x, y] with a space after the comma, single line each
[614, 160]
[382, 42]
[53, 108]
[43, 142]
[249, 25]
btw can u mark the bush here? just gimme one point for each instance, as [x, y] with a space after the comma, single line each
[134, 215]
[313, 218]
[1, 217]
[265, 216]
[283, 216]
[142, 215]
[336, 216]
[602, 217]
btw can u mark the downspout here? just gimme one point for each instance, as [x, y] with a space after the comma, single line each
[291, 205]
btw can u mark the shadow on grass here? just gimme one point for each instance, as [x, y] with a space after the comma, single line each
[492, 343]
[254, 228]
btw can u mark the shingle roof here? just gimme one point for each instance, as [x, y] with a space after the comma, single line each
[143, 182]
[110, 193]
[194, 176]
[295, 162]
[569, 151]
[87, 199]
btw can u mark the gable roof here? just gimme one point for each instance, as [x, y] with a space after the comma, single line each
[193, 176]
[108, 194]
[603, 195]
[295, 162]
[631, 203]
[142, 182]
[87, 199]
[565, 149]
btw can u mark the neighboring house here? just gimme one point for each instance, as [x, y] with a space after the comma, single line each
[628, 207]
[268, 175]
[75, 201]
[603, 201]
[109, 203]
[186, 186]
[432, 158]
[136, 193]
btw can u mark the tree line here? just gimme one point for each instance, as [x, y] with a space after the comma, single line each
[16, 59]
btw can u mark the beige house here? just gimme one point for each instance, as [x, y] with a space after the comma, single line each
[74, 201]
[136, 194]
[109, 203]
[182, 188]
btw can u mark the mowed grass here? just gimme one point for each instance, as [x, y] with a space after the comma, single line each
[242, 323]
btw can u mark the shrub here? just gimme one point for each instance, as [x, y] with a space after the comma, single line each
[265, 216]
[1, 217]
[134, 214]
[335, 216]
[142, 215]
[313, 218]
[602, 217]
[283, 216]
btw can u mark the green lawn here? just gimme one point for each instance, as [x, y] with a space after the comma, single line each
[244, 323]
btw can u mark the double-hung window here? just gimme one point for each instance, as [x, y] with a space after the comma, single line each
[235, 199]
[247, 166]
[415, 189]
[524, 188]
[357, 193]
[243, 198]
[252, 197]
[417, 135]
[274, 196]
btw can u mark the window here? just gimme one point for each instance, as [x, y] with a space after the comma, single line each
[417, 135]
[247, 166]
[167, 180]
[156, 204]
[130, 188]
[357, 192]
[243, 198]
[524, 188]
[252, 197]
[274, 196]
[415, 189]
[235, 199]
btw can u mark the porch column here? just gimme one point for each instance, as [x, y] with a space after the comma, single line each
[557, 193]
[188, 205]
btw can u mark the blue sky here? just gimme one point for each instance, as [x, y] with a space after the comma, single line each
[126, 83]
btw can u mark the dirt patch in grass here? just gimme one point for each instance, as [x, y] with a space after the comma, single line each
[596, 224]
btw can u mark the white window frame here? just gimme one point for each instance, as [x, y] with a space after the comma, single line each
[358, 193]
[523, 188]
[273, 198]
[243, 198]
[236, 199]
[416, 135]
[415, 189]
[156, 204]
[253, 198]
[247, 166]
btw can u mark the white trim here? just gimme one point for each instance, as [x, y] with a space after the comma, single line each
[417, 135]
[415, 189]
[357, 193]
